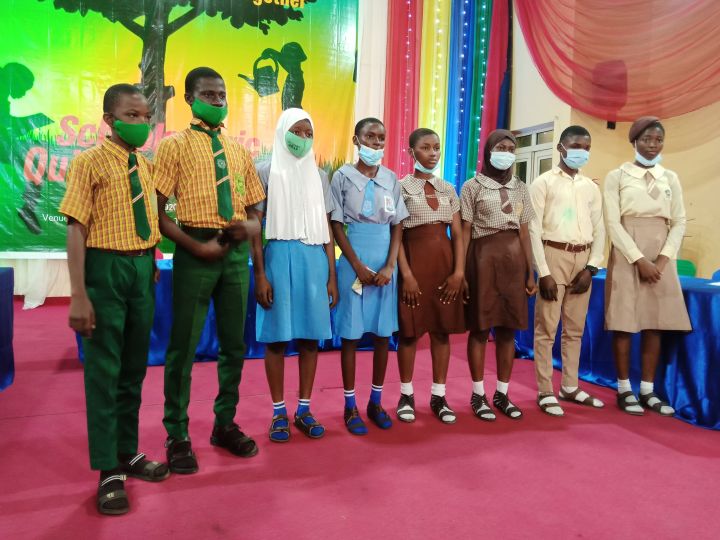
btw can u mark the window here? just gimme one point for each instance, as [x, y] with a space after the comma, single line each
[534, 151]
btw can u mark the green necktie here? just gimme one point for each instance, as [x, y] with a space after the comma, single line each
[222, 177]
[142, 227]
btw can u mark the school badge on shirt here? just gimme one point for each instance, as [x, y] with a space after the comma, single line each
[239, 184]
[389, 205]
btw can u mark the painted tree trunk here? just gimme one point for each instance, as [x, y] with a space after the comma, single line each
[152, 64]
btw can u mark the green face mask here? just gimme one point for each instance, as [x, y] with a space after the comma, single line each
[298, 146]
[134, 134]
[209, 113]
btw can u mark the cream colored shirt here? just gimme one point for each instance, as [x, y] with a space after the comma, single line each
[628, 193]
[567, 210]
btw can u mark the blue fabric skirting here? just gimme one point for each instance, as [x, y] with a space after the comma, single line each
[298, 274]
[374, 311]
[7, 358]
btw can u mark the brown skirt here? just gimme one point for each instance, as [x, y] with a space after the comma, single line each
[632, 305]
[429, 253]
[496, 272]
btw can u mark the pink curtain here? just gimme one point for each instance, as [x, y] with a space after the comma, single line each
[402, 80]
[620, 59]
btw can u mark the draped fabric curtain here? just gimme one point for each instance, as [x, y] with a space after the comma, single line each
[620, 59]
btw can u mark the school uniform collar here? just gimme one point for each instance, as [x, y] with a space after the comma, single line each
[489, 183]
[383, 178]
[414, 186]
[115, 150]
[201, 123]
[578, 175]
[639, 172]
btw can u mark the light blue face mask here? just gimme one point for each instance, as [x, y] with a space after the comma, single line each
[647, 162]
[502, 161]
[419, 166]
[576, 157]
[370, 156]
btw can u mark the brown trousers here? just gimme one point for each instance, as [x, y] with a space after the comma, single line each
[572, 308]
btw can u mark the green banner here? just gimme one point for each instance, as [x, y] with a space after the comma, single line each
[57, 58]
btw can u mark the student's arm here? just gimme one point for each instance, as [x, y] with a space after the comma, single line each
[527, 215]
[467, 211]
[410, 293]
[211, 250]
[332, 286]
[239, 231]
[547, 285]
[82, 314]
[454, 284]
[619, 237]
[384, 276]
[263, 289]
[466, 236]
[582, 281]
[678, 221]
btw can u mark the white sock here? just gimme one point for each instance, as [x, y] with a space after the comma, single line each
[569, 389]
[437, 389]
[624, 386]
[555, 409]
[647, 388]
[406, 388]
[502, 387]
[478, 388]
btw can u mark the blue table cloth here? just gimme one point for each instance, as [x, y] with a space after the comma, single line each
[7, 358]
[689, 372]
[207, 349]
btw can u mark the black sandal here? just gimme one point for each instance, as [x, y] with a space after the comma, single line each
[276, 430]
[481, 408]
[645, 398]
[502, 402]
[625, 400]
[150, 471]
[112, 501]
[232, 439]
[181, 459]
[307, 427]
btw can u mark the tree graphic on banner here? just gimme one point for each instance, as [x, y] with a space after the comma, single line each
[157, 27]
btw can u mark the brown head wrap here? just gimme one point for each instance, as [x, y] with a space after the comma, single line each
[640, 125]
[487, 169]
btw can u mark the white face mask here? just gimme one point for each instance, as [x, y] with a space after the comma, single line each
[647, 162]
[502, 160]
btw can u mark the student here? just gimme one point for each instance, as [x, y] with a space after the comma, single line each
[366, 197]
[432, 274]
[496, 210]
[214, 181]
[295, 282]
[112, 233]
[568, 241]
[645, 218]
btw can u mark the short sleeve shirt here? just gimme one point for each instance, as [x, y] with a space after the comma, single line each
[263, 171]
[99, 196]
[185, 167]
[348, 192]
[413, 192]
[481, 205]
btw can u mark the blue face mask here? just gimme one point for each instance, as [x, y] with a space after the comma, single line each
[576, 157]
[370, 156]
[647, 162]
[502, 160]
[419, 166]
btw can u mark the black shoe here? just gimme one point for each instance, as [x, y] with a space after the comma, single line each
[378, 415]
[481, 407]
[232, 439]
[441, 410]
[180, 457]
[406, 408]
[507, 407]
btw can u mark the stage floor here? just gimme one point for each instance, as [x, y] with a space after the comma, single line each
[593, 474]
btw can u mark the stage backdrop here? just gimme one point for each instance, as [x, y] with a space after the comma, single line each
[57, 57]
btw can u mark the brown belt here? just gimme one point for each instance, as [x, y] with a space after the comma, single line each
[573, 248]
[131, 253]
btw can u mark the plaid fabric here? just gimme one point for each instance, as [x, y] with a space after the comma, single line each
[98, 196]
[481, 204]
[185, 167]
[418, 202]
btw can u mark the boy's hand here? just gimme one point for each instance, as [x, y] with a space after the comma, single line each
[82, 315]
[239, 231]
[263, 291]
[581, 282]
[211, 250]
[548, 288]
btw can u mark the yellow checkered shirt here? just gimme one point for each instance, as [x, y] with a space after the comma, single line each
[98, 196]
[184, 167]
